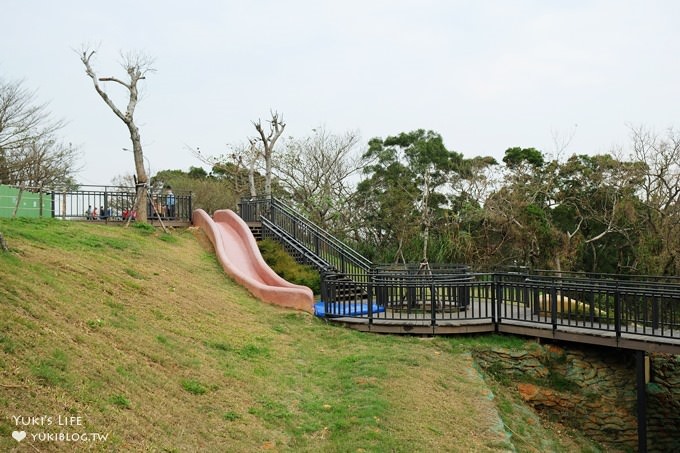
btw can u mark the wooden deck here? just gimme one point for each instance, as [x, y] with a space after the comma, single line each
[515, 319]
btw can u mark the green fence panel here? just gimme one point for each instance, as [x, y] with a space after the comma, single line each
[31, 204]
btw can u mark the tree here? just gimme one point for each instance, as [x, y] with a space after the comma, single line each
[522, 157]
[45, 162]
[136, 66]
[425, 165]
[197, 172]
[517, 215]
[22, 120]
[660, 198]
[576, 214]
[237, 167]
[209, 192]
[251, 155]
[465, 236]
[314, 171]
[593, 198]
[268, 140]
[31, 154]
[385, 203]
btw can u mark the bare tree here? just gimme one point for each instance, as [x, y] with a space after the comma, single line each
[268, 140]
[316, 172]
[45, 162]
[136, 66]
[660, 193]
[22, 120]
[251, 155]
[30, 153]
[241, 158]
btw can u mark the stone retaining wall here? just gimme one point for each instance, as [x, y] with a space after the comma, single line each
[593, 390]
[663, 402]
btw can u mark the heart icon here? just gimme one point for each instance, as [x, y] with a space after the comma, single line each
[18, 435]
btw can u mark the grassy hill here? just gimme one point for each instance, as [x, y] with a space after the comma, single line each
[138, 337]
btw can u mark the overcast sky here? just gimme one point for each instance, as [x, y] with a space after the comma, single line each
[486, 75]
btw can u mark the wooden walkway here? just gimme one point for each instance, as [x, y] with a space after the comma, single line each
[515, 319]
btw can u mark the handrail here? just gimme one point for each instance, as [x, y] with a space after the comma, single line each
[305, 232]
[603, 276]
[644, 308]
[356, 257]
[617, 307]
[111, 203]
[630, 286]
[308, 255]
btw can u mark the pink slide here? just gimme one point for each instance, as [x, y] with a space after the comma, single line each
[237, 251]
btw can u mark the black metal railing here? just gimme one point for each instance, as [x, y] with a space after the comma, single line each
[301, 253]
[617, 306]
[251, 209]
[333, 252]
[116, 203]
[401, 296]
[618, 303]
[644, 306]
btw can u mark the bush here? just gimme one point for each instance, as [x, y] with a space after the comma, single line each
[285, 266]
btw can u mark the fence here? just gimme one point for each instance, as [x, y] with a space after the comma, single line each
[649, 306]
[24, 203]
[285, 223]
[107, 203]
[631, 307]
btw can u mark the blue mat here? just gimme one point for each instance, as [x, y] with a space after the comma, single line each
[345, 309]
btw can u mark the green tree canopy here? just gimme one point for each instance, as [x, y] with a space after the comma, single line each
[407, 180]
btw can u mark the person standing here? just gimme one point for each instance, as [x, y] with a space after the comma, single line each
[170, 203]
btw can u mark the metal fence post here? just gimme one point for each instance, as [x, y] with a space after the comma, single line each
[553, 306]
[496, 300]
[106, 204]
[655, 313]
[617, 312]
[537, 302]
[369, 290]
[433, 304]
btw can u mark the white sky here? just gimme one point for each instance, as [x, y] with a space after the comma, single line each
[486, 75]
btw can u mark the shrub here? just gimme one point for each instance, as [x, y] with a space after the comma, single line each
[284, 265]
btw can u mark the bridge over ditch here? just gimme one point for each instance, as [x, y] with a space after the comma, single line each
[640, 313]
[637, 313]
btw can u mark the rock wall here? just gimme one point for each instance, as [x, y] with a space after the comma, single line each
[663, 403]
[593, 389]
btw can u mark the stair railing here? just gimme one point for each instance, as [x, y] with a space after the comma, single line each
[331, 250]
[269, 229]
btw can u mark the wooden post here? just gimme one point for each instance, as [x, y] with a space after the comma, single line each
[16, 207]
[3, 244]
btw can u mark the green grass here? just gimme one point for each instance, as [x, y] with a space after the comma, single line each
[194, 387]
[52, 370]
[145, 338]
[121, 401]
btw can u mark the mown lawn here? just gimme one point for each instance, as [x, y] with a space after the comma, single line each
[139, 337]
